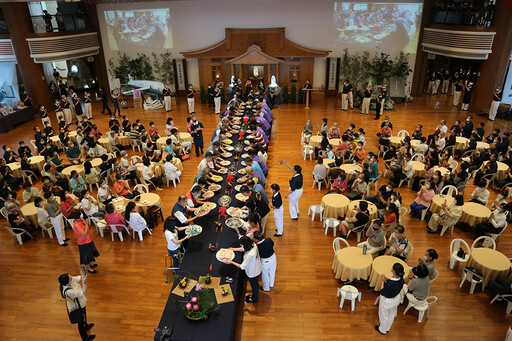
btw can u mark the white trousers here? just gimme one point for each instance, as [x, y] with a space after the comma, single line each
[46, 119]
[88, 110]
[190, 102]
[268, 271]
[445, 86]
[412, 299]
[293, 202]
[371, 249]
[366, 106]
[493, 110]
[508, 337]
[435, 87]
[453, 89]
[278, 219]
[67, 115]
[217, 101]
[382, 106]
[351, 99]
[465, 106]
[57, 226]
[387, 312]
[430, 86]
[167, 102]
[344, 101]
[456, 98]
[59, 114]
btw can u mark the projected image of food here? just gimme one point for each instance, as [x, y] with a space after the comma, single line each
[388, 26]
[139, 28]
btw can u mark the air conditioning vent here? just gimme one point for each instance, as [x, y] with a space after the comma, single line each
[48, 49]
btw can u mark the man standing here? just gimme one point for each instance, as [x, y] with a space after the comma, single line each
[456, 94]
[26, 99]
[496, 99]
[55, 213]
[190, 99]
[384, 92]
[455, 80]
[468, 127]
[379, 101]
[367, 98]
[197, 133]
[307, 87]
[446, 81]
[468, 89]
[103, 97]
[87, 105]
[44, 115]
[347, 89]
[211, 95]
[217, 99]
[64, 103]
[167, 97]
[115, 102]
[437, 82]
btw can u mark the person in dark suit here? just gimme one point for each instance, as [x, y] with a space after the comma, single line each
[103, 97]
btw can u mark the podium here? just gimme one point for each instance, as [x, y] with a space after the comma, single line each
[308, 96]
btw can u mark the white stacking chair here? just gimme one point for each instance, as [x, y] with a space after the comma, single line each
[489, 178]
[454, 165]
[386, 169]
[424, 212]
[333, 223]
[403, 213]
[307, 150]
[17, 233]
[359, 232]
[436, 274]
[450, 191]
[48, 230]
[28, 175]
[336, 244]
[418, 157]
[422, 306]
[173, 181]
[374, 181]
[319, 181]
[408, 180]
[505, 297]
[403, 133]
[316, 209]
[140, 232]
[382, 150]
[455, 245]
[141, 188]
[135, 145]
[446, 228]
[350, 293]
[135, 159]
[34, 146]
[410, 249]
[101, 225]
[496, 236]
[471, 278]
[487, 242]
[4, 213]
[119, 230]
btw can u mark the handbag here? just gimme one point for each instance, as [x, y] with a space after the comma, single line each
[461, 253]
[75, 316]
[474, 271]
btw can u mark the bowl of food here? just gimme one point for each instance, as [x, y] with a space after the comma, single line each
[208, 194]
[227, 155]
[224, 200]
[214, 187]
[210, 205]
[216, 178]
[241, 197]
[224, 254]
[225, 163]
[202, 211]
[227, 141]
[234, 222]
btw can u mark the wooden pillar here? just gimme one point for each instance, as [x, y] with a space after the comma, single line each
[17, 18]
[277, 73]
[232, 70]
[269, 74]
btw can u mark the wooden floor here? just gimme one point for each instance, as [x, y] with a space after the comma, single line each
[127, 295]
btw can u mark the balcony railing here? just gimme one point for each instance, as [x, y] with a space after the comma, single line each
[463, 16]
[60, 22]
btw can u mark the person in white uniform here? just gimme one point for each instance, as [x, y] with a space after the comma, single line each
[496, 100]
[167, 97]
[390, 298]
[190, 99]
[55, 214]
[268, 260]
[295, 191]
[251, 264]
[277, 205]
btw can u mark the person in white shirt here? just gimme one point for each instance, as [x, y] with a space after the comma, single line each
[251, 264]
[440, 141]
[407, 171]
[495, 223]
[173, 242]
[43, 219]
[134, 219]
[480, 195]
[320, 171]
[148, 175]
[205, 164]
[90, 207]
[171, 172]
[422, 147]
[104, 192]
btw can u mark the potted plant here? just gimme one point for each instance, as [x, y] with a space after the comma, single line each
[286, 95]
[224, 291]
[183, 283]
[293, 94]
[301, 96]
[199, 304]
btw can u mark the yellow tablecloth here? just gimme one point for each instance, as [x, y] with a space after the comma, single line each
[96, 162]
[395, 141]
[335, 205]
[162, 142]
[72, 135]
[419, 168]
[16, 169]
[54, 140]
[30, 211]
[383, 265]
[445, 172]
[482, 145]
[104, 143]
[414, 143]
[153, 198]
[374, 212]
[473, 213]
[334, 142]
[350, 263]
[502, 169]
[158, 170]
[66, 172]
[460, 142]
[438, 201]
[315, 140]
[186, 137]
[349, 169]
[37, 161]
[491, 263]
[327, 162]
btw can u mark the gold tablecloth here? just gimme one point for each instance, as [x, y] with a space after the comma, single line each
[96, 162]
[502, 169]
[460, 142]
[37, 161]
[315, 140]
[153, 198]
[54, 140]
[482, 145]
[374, 212]
[335, 205]
[414, 143]
[438, 200]
[30, 211]
[350, 263]
[395, 141]
[327, 162]
[104, 143]
[162, 142]
[16, 169]
[445, 172]
[349, 168]
[334, 142]
[491, 263]
[419, 168]
[473, 213]
[383, 265]
[186, 137]
[72, 135]
[66, 172]
[158, 170]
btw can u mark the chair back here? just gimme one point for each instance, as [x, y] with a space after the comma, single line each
[487, 242]
[33, 143]
[431, 300]
[4, 213]
[454, 165]
[456, 244]
[489, 178]
[116, 228]
[471, 276]
[307, 149]
[134, 159]
[336, 244]
[141, 188]
[410, 249]
[403, 212]
[403, 133]
[450, 190]
[436, 274]
[418, 157]
[322, 154]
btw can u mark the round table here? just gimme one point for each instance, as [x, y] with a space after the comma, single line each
[374, 212]
[395, 141]
[383, 265]
[162, 142]
[327, 162]
[414, 143]
[335, 205]
[55, 140]
[186, 137]
[419, 168]
[30, 211]
[502, 169]
[350, 263]
[473, 213]
[153, 198]
[461, 142]
[72, 135]
[491, 263]
[96, 162]
[16, 169]
[350, 170]
[445, 172]
[438, 200]
[482, 145]
[334, 142]
[37, 161]
[66, 172]
[104, 143]
[158, 170]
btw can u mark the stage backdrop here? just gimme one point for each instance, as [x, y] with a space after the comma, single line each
[389, 27]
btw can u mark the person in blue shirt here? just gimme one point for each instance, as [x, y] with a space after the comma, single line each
[256, 167]
[258, 188]
[168, 148]
[374, 170]
[197, 133]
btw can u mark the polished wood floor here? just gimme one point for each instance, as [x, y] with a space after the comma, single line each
[127, 295]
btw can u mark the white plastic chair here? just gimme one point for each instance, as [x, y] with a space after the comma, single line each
[455, 245]
[471, 278]
[4, 213]
[454, 165]
[359, 230]
[47, 230]
[316, 209]
[489, 178]
[436, 274]
[333, 223]
[319, 181]
[410, 249]
[336, 244]
[100, 224]
[446, 228]
[173, 181]
[135, 159]
[422, 306]
[307, 150]
[119, 230]
[403, 133]
[28, 175]
[33, 143]
[141, 188]
[403, 213]
[17, 233]
[449, 190]
[487, 242]
[374, 181]
[506, 297]
[408, 180]
[387, 168]
[418, 157]
[424, 212]
[350, 293]
[135, 144]
[140, 232]
[496, 236]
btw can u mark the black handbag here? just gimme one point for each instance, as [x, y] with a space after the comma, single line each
[77, 315]
[461, 253]
[474, 271]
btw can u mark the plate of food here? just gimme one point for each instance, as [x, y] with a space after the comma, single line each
[235, 212]
[247, 148]
[241, 197]
[234, 223]
[247, 142]
[245, 155]
[193, 230]
[224, 254]
[229, 148]
[222, 170]
[228, 134]
[227, 141]
[242, 171]
[236, 126]
[243, 163]
[210, 205]
[225, 200]
[208, 194]
[202, 211]
[225, 163]
[214, 187]
[226, 155]
[145, 202]
[237, 188]
[242, 179]
[216, 178]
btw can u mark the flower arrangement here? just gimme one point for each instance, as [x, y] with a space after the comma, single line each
[224, 291]
[211, 247]
[207, 279]
[198, 305]
[183, 283]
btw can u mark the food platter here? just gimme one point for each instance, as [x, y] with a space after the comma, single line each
[225, 163]
[193, 230]
[208, 194]
[238, 187]
[227, 155]
[247, 142]
[223, 254]
[224, 200]
[247, 148]
[228, 141]
[202, 211]
[222, 170]
[228, 134]
[241, 197]
[245, 155]
[241, 180]
[210, 205]
[235, 212]
[229, 148]
[234, 223]
[216, 178]
[242, 171]
[214, 187]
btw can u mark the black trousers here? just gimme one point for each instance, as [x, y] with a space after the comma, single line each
[82, 325]
[105, 106]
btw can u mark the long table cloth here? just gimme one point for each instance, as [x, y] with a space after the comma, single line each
[197, 261]
[8, 122]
